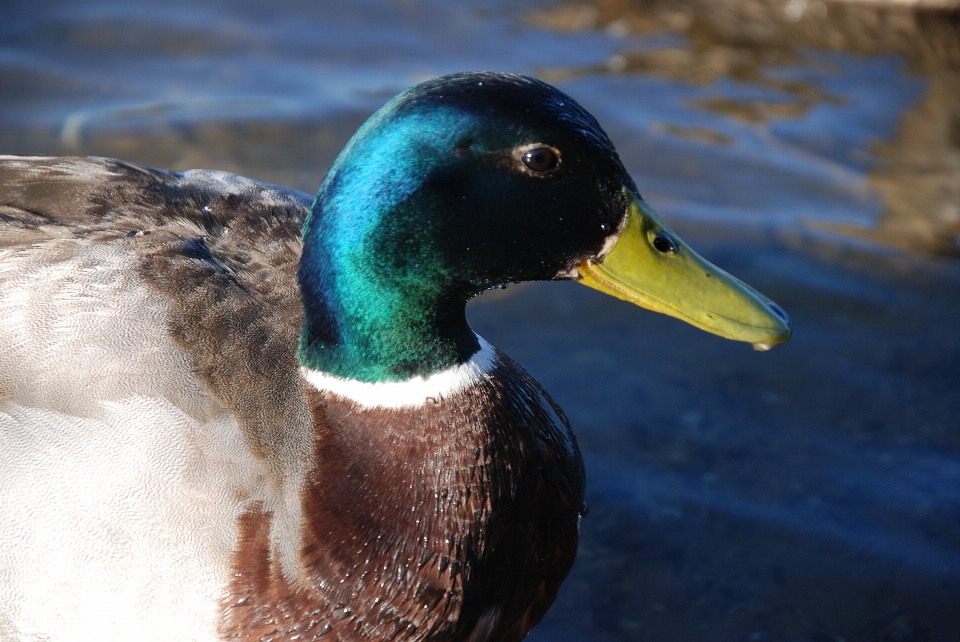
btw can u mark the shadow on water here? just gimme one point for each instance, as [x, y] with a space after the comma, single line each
[809, 494]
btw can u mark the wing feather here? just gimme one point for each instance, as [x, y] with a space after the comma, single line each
[110, 271]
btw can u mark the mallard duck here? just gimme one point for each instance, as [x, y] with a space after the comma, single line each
[230, 411]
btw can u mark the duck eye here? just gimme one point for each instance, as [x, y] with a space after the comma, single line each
[664, 245]
[540, 159]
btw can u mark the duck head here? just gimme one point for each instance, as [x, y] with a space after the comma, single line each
[472, 180]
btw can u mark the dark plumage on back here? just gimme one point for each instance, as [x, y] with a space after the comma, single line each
[222, 248]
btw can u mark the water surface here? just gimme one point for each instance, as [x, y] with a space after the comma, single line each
[813, 149]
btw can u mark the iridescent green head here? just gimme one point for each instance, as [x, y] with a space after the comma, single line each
[454, 186]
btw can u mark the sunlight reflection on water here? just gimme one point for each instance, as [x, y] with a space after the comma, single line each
[733, 495]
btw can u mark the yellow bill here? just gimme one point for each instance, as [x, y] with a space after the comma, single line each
[651, 267]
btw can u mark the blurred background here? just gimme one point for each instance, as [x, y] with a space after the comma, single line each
[812, 148]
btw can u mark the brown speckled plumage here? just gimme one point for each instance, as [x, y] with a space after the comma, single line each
[223, 249]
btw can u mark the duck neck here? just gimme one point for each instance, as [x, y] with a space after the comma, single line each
[369, 318]
[380, 297]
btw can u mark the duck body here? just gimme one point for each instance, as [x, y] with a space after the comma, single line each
[302, 524]
[229, 411]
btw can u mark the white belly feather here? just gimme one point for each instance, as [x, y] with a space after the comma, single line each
[121, 479]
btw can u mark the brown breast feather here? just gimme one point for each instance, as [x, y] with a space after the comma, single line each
[454, 521]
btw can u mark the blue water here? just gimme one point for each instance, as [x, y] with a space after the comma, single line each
[811, 493]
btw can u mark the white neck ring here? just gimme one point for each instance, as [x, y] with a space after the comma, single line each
[414, 392]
